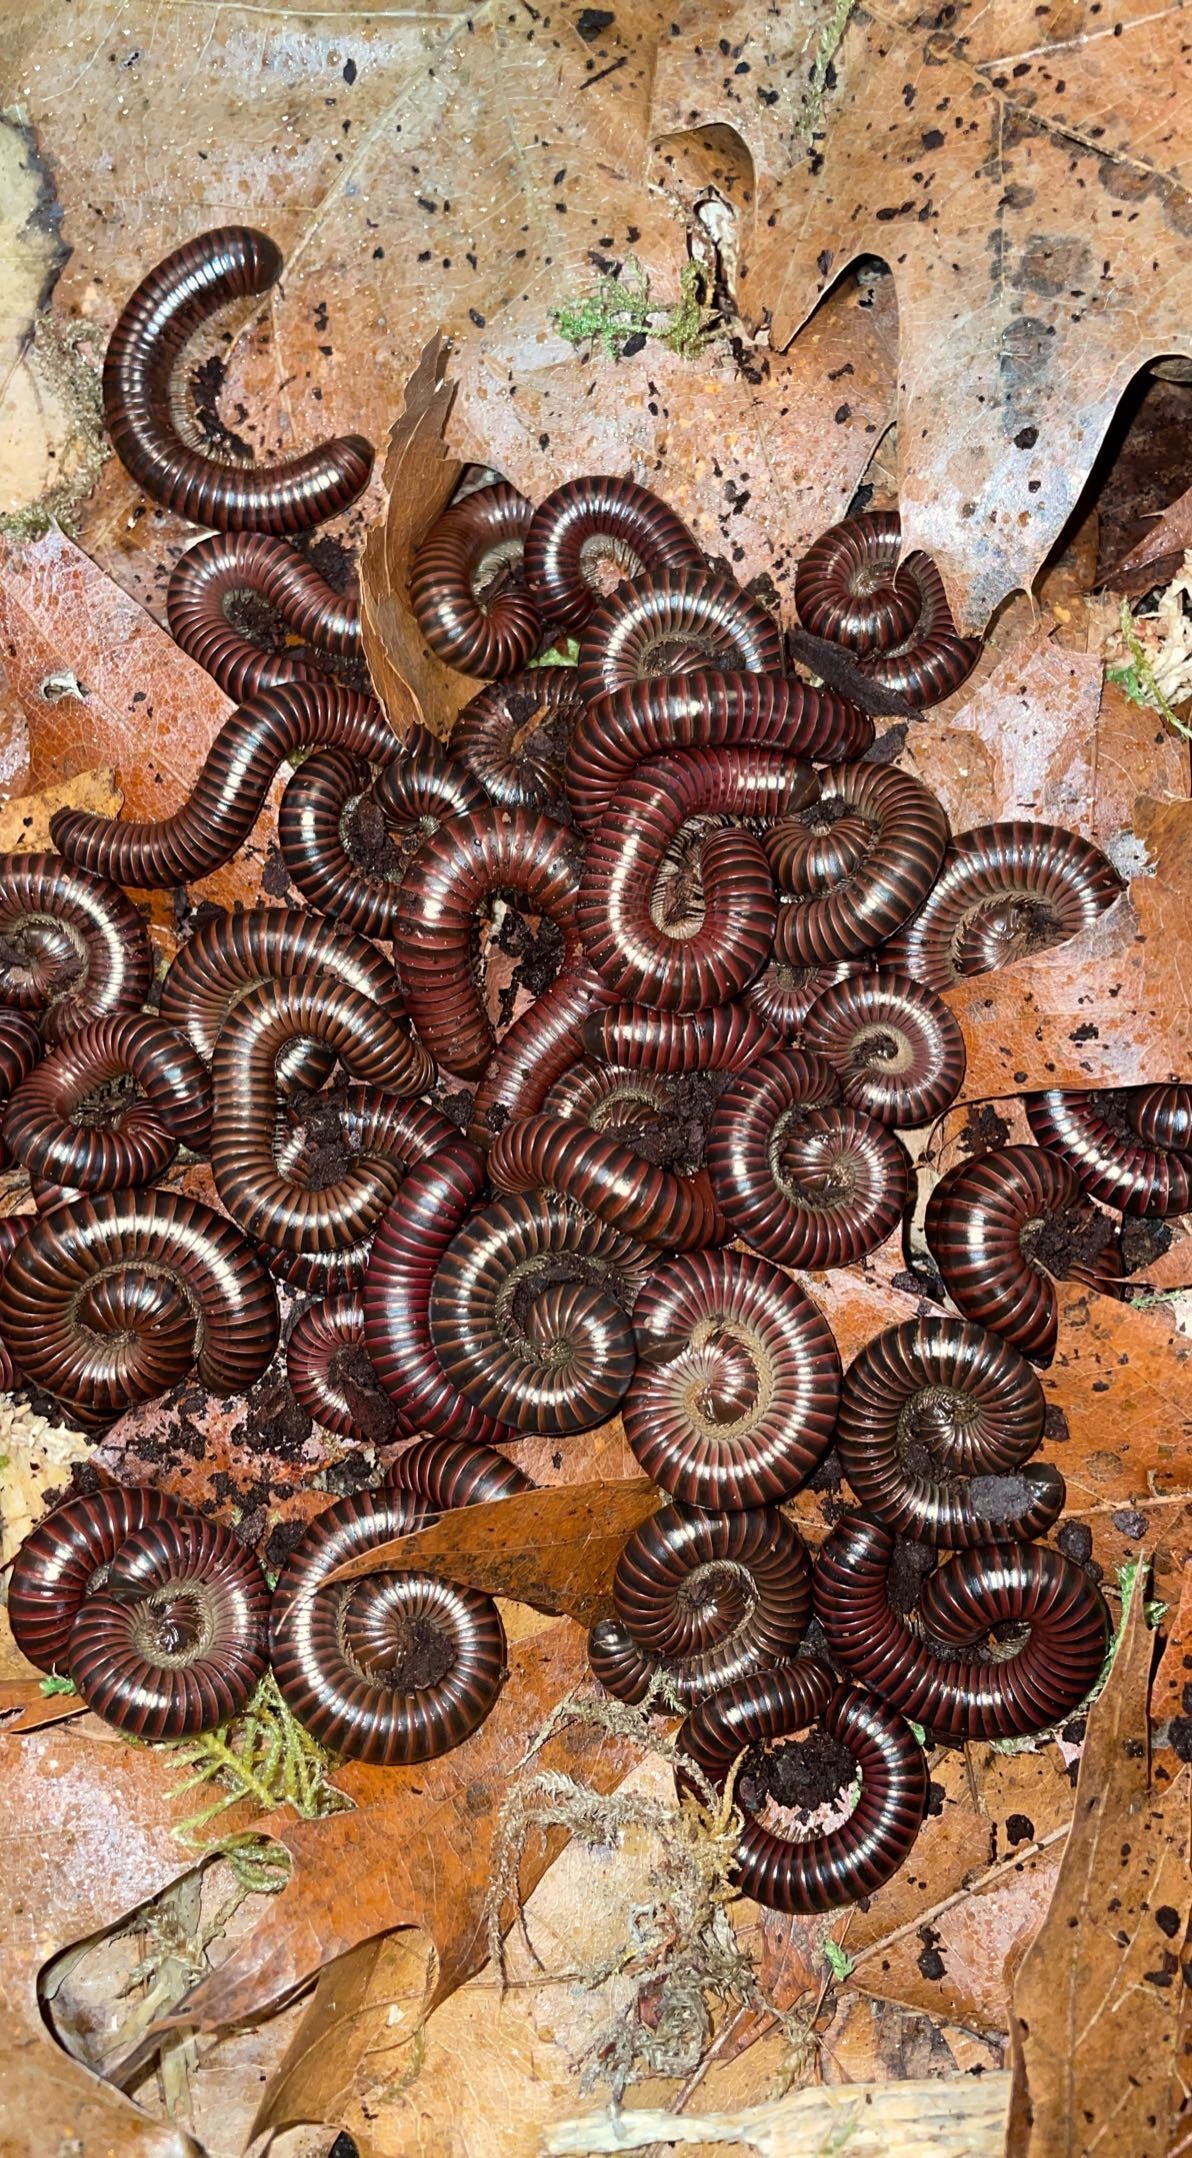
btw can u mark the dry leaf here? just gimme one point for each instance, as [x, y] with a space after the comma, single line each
[555, 1550]
[1018, 174]
[367, 2009]
[952, 2118]
[1097, 1998]
[1168, 539]
[416, 1850]
[1112, 1007]
[415, 688]
[87, 1838]
[1171, 1687]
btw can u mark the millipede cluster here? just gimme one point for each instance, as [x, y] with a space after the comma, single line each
[735, 933]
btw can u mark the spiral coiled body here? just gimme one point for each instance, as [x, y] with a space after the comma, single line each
[1003, 891]
[804, 1181]
[512, 737]
[231, 263]
[893, 615]
[21, 1049]
[1106, 1153]
[218, 965]
[326, 1344]
[589, 525]
[839, 1865]
[43, 1130]
[60, 1558]
[393, 1669]
[528, 1314]
[937, 1419]
[229, 564]
[75, 949]
[1040, 1683]
[734, 1397]
[469, 860]
[324, 803]
[702, 1600]
[664, 717]
[108, 1301]
[177, 1639]
[783, 995]
[894, 1046]
[976, 1219]
[229, 792]
[702, 940]
[475, 544]
[675, 622]
[856, 861]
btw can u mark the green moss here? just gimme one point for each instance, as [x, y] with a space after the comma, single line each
[618, 308]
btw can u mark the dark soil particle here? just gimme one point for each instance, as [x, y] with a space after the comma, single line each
[206, 382]
[1055, 1426]
[369, 844]
[1179, 1737]
[919, 1280]
[809, 1773]
[1073, 1236]
[909, 1568]
[677, 1139]
[827, 1474]
[420, 1656]
[1019, 1829]
[354, 1471]
[276, 1422]
[283, 1537]
[931, 1963]
[936, 1797]
[1129, 1522]
[275, 877]
[1075, 1540]
[373, 1415]
[1143, 1242]
[455, 1104]
[999, 1498]
[984, 1130]
[888, 747]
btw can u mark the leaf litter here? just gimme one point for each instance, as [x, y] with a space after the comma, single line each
[760, 442]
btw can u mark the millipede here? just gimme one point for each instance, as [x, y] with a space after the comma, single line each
[513, 737]
[231, 263]
[1002, 892]
[675, 621]
[594, 528]
[896, 1049]
[466, 586]
[211, 575]
[171, 1108]
[74, 947]
[855, 860]
[1100, 1137]
[892, 614]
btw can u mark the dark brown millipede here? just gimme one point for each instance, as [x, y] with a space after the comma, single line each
[472, 611]
[217, 571]
[597, 525]
[43, 1127]
[230, 263]
[852, 588]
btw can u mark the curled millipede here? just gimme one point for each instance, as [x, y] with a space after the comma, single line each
[21, 1048]
[804, 1181]
[196, 279]
[61, 1558]
[513, 737]
[328, 1371]
[596, 525]
[1011, 1584]
[356, 1126]
[839, 1865]
[425, 784]
[659, 717]
[177, 1639]
[1003, 891]
[725, 1037]
[1162, 1116]
[43, 1127]
[734, 1397]
[433, 1203]
[217, 967]
[106, 1302]
[894, 1046]
[230, 564]
[230, 789]
[395, 1668]
[1099, 1137]
[607, 1178]
[893, 615]
[528, 1314]
[472, 613]
[537, 1050]
[74, 947]
[447, 1473]
[856, 860]
[675, 622]
[469, 860]
[987, 1229]
[700, 937]
[783, 995]
[938, 1419]
[266, 1201]
[702, 1600]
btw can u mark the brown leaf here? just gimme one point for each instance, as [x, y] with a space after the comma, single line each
[366, 2010]
[416, 1852]
[555, 1550]
[415, 688]
[25, 818]
[758, 457]
[1096, 2000]
[1113, 1006]
[87, 1838]
[1001, 163]
[1171, 1687]
[1169, 536]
